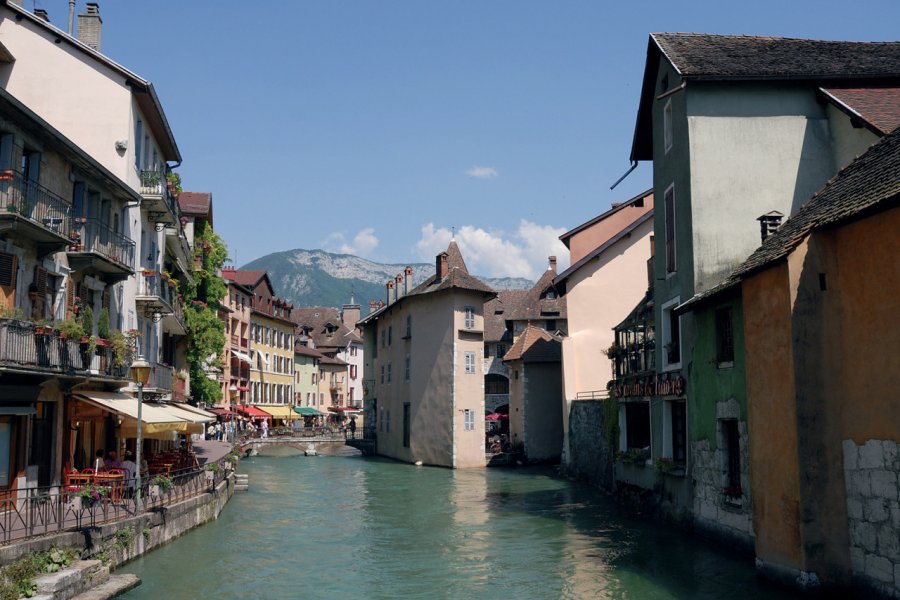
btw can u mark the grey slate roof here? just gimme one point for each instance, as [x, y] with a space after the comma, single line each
[697, 55]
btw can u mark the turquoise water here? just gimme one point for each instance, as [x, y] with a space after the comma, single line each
[345, 526]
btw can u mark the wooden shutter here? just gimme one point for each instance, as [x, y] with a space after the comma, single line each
[70, 297]
[39, 297]
[8, 265]
[669, 200]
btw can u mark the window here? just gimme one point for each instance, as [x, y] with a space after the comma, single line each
[352, 371]
[381, 420]
[390, 334]
[408, 326]
[550, 325]
[731, 437]
[679, 432]
[138, 135]
[637, 425]
[469, 419]
[406, 374]
[501, 350]
[671, 332]
[470, 362]
[724, 337]
[382, 338]
[667, 126]
[669, 201]
[389, 372]
[406, 424]
[470, 318]
[387, 425]
[382, 373]
[313, 379]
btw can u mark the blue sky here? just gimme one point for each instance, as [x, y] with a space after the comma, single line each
[374, 127]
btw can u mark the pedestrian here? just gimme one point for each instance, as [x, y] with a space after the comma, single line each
[265, 428]
[210, 432]
[129, 466]
[219, 432]
[352, 427]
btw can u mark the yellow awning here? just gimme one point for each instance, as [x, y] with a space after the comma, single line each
[188, 415]
[153, 418]
[280, 412]
[210, 417]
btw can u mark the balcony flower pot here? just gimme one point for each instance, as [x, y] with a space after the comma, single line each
[42, 330]
[6, 175]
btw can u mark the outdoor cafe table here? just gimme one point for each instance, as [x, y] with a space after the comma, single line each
[115, 482]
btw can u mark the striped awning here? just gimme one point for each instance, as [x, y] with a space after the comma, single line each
[153, 419]
[280, 412]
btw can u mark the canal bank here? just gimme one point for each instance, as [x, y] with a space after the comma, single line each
[340, 525]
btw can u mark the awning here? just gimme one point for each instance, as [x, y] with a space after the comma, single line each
[344, 409]
[222, 412]
[154, 419]
[243, 357]
[307, 411]
[188, 415]
[203, 413]
[280, 412]
[262, 357]
[253, 412]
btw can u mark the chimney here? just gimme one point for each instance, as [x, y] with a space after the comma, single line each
[390, 292]
[371, 306]
[407, 280]
[398, 283]
[89, 25]
[769, 223]
[380, 304]
[350, 314]
[441, 266]
[42, 14]
[552, 266]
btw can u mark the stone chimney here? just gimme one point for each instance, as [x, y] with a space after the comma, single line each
[552, 265]
[769, 223]
[371, 306]
[390, 292]
[89, 26]
[407, 280]
[441, 266]
[350, 314]
[42, 14]
[398, 283]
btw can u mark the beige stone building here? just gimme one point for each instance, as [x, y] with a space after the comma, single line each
[423, 367]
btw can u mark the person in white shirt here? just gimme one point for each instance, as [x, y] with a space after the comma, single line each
[129, 466]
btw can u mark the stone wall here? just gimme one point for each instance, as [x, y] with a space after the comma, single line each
[871, 475]
[590, 453]
[725, 517]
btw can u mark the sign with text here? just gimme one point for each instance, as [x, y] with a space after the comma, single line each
[652, 386]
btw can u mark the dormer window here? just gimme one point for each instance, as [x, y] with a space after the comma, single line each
[551, 294]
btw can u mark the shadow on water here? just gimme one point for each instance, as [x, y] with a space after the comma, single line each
[339, 525]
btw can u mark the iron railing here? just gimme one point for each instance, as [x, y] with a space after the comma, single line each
[360, 433]
[154, 183]
[160, 377]
[38, 511]
[26, 346]
[34, 202]
[97, 237]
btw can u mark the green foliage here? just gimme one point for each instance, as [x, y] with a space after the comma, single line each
[213, 467]
[11, 313]
[175, 179]
[206, 332]
[86, 316]
[146, 533]
[103, 324]
[610, 415]
[124, 538]
[121, 347]
[71, 327]
[164, 483]
[17, 579]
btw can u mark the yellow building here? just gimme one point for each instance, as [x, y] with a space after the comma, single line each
[271, 344]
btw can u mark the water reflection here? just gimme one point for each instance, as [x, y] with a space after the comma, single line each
[341, 526]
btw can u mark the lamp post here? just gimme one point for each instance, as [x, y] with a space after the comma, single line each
[140, 373]
[233, 391]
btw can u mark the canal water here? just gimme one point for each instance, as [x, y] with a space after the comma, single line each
[344, 526]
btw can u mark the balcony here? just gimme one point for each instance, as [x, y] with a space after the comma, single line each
[37, 212]
[99, 247]
[157, 299]
[161, 206]
[160, 378]
[26, 348]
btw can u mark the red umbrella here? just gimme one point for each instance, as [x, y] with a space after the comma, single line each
[492, 417]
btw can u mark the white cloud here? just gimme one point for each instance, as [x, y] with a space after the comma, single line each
[363, 244]
[482, 172]
[522, 253]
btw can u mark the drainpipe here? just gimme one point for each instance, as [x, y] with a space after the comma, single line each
[71, 17]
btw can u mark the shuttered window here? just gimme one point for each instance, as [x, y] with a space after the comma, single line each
[39, 298]
[8, 264]
[670, 229]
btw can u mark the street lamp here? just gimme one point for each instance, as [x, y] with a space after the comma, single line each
[140, 373]
[233, 391]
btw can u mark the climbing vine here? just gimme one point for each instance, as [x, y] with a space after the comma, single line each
[205, 330]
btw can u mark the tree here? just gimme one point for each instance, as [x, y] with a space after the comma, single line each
[206, 332]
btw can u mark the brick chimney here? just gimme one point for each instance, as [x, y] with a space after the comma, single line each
[552, 266]
[350, 314]
[407, 280]
[371, 306]
[89, 26]
[390, 292]
[398, 284]
[441, 266]
[42, 14]
[769, 223]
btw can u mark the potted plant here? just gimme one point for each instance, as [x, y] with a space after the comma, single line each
[162, 483]
[69, 328]
[121, 348]
[103, 324]
[211, 470]
[91, 495]
[42, 327]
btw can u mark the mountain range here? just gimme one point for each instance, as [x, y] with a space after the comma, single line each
[320, 278]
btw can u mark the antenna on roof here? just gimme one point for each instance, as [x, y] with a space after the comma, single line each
[452, 233]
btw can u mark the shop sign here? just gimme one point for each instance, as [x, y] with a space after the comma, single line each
[659, 385]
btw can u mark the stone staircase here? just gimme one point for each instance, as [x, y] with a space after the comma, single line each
[83, 580]
[241, 482]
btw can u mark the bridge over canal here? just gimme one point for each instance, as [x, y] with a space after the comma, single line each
[362, 441]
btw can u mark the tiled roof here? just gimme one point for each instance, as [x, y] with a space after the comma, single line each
[195, 203]
[535, 345]
[506, 304]
[317, 318]
[307, 351]
[243, 277]
[743, 56]
[532, 305]
[872, 179]
[457, 277]
[877, 107]
[564, 238]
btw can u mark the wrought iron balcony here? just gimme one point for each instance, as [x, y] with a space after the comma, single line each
[36, 211]
[160, 204]
[160, 378]
[158, 299]
[98, 246]
[26, 347]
